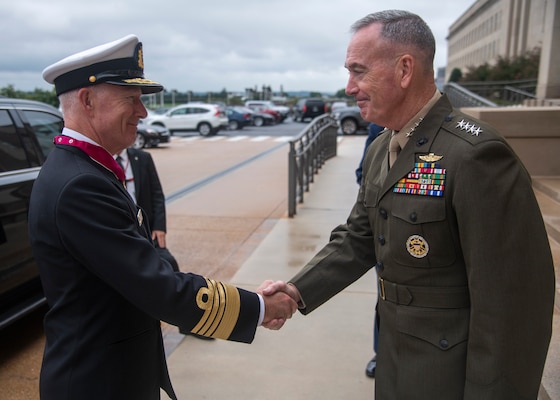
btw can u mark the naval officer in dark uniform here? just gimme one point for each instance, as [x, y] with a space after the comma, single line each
[106, 286]
[447, 214]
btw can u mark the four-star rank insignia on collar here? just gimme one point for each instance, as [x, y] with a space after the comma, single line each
[468, 127]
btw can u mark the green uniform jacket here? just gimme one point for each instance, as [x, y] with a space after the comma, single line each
[466, 290]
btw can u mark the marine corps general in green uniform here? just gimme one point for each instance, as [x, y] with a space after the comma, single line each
[447, 215]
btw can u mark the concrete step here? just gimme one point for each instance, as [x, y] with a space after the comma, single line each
[547, 191]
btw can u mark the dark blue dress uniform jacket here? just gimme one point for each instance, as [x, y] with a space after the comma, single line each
[108, 289]
[466, 278]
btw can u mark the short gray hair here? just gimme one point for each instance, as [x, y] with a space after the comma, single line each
[68, 101]
[404, 28]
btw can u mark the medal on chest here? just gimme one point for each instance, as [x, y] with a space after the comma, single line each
[426, 179]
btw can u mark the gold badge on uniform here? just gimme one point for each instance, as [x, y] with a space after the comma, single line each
[140, 217]
[417, 246]
[430, 158]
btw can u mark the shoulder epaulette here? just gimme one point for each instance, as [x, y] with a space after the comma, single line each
[468, 128]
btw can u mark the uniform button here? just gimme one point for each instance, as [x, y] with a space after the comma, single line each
[383, 213]
[381, 240]
[413, 216]
[444, 343]
[379, 267]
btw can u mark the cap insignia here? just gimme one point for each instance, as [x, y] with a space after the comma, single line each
[140, 57]
[468, 127]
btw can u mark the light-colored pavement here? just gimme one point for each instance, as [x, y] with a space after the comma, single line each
[319, 356]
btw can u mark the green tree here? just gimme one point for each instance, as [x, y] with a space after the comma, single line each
[236, 101]
[525, 66]
[45, 96]
[477, 74]
[8, 91]
[456, 75]
[341, 94]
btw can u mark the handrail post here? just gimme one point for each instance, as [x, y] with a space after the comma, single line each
[292, 181]
[308, 152]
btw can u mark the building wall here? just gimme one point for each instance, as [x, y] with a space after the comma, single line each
[531, 132]
[493, 28]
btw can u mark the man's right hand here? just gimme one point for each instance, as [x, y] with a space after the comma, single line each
[281, 302]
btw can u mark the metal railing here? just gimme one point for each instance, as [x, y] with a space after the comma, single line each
[492, 93]
[515, 95]
[461, 97]
[308, 152]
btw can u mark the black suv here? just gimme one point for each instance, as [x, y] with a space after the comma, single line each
[27, 129]
[309, 109]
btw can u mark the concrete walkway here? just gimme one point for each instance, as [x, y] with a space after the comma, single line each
[319, 356]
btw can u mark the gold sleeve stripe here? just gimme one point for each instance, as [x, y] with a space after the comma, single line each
[221, 304]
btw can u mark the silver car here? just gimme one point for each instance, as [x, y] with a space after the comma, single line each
[206, 119]
[350, 120]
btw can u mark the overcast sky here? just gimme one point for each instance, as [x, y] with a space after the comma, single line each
[205, 45]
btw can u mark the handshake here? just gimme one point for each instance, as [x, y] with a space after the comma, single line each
[280, 302]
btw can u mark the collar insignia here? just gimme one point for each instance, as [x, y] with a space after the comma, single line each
[468, 127]
[411, 131]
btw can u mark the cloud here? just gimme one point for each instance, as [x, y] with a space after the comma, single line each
[204, 46]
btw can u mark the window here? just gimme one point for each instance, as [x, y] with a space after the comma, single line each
[12, 155]
[45, 126]
[179, 111]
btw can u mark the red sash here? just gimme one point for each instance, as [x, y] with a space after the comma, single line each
[96, 153]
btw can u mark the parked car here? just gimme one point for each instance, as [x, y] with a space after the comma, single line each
[337, 105]
[160, 110]
[259, 118]
[238, 117]
[207, 119]
[267, 104]
[309, 109]
[350, 120]
[150, 135]
[266, 110]
[27, 130]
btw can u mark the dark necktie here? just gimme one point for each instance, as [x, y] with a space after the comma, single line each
[120, 162]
